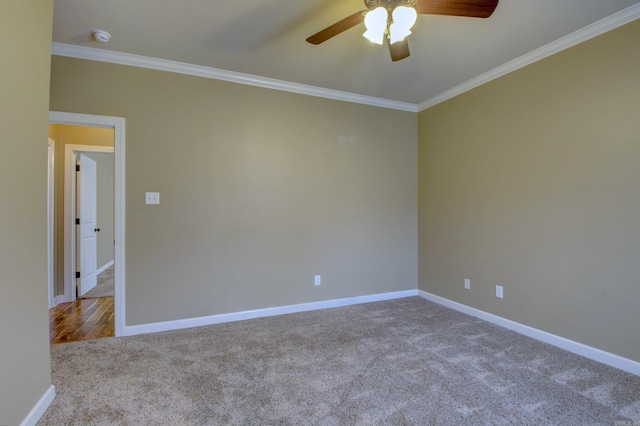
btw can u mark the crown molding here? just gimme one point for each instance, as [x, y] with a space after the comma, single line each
[590, 31]
[102, 55]
[597, 28]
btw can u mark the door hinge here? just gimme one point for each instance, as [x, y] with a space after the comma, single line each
[77, 221]
[77, 167]
[77, 274]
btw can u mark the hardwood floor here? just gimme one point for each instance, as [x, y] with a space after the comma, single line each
[84, 319]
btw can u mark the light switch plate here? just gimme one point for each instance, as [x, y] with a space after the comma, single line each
[152, 198]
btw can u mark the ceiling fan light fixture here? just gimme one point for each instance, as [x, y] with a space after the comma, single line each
[403, 19]
[376, 24]
[397, 17]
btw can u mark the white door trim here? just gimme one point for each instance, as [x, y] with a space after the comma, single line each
[118, 124]
[51, 155]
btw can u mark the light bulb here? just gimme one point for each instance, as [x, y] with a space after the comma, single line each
[403, 19]
[376, 23]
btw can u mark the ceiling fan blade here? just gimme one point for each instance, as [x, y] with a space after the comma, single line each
[399, 50]
[337, 28]
[469, 8]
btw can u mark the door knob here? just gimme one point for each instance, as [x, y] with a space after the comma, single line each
[97, 230]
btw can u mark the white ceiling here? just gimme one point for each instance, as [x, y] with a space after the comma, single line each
[266, 38]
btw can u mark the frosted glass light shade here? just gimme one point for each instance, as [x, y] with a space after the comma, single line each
[376, 24]
[403, 19]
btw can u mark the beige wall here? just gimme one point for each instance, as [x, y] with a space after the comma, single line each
[25, 43]
[65, 135]
[532, 182]
[259, 191]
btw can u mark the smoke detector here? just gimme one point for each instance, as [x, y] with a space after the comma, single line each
[101, 36]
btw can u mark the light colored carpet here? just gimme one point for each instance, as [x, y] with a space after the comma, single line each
[104, 288]
[407, 361]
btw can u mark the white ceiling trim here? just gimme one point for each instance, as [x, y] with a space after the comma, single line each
[607, 24]
[101, 55]
[590, 31]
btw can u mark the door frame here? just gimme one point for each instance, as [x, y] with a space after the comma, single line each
[118, 124]
[51, 155]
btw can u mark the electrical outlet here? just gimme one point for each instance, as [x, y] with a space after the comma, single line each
[499, 291]
[467, 283]
[318, 280]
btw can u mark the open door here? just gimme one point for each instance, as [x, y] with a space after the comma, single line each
[88, 227]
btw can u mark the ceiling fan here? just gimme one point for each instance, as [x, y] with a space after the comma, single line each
[391, 20]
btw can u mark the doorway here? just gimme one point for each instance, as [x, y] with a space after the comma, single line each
[67, 291]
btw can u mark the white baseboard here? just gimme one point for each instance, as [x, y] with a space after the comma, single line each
[105, 267]
[595, 354]
[41, 406]
[261, 313]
